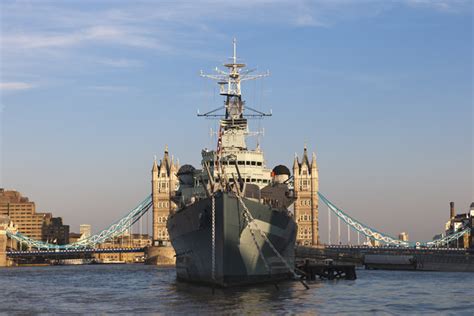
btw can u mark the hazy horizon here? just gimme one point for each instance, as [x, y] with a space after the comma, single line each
[381, 91]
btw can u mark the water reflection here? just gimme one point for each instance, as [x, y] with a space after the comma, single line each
[147, 289]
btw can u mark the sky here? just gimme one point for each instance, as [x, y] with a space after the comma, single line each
[380, 90]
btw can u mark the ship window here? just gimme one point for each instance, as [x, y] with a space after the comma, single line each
[259, 163]
[253, 163]
[247, 180]
[240, 162]
[211, 163]
[253, 180]
[247, 163]
[264, 180]
[232, 163]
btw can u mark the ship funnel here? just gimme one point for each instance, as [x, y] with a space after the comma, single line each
[452, 212]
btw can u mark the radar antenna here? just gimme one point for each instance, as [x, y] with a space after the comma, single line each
[230, 86]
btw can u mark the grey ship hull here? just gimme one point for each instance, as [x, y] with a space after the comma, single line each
[237, 258]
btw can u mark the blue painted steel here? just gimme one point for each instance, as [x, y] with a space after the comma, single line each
[119, 227]
[18, 253]
[386, 239]
[114, 230]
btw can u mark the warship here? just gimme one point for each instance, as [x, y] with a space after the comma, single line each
[231, 225]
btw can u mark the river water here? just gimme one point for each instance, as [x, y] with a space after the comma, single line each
[133, 289]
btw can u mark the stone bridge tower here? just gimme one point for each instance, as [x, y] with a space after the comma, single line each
[163, 186]
[306, 186]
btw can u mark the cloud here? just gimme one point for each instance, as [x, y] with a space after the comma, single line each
[160, 25]
[106, 88]
[120, 62]
[308, 20]
[98, 35]
[446, 6]
[6, 86]
[42, 38]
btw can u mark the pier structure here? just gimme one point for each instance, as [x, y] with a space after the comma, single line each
[3, 240]
[6, 243]
[471, 224]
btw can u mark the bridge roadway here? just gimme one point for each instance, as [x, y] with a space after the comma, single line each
[69, 253]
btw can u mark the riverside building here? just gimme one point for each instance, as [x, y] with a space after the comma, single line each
[39, 226]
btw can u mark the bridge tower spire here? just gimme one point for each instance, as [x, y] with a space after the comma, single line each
[314, 201]
[306, 186]
[154, 196]
[164, 181]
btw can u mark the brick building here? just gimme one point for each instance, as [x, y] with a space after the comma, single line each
[22, 212]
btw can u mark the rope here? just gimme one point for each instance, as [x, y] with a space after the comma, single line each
[252, 221]
[247, 219]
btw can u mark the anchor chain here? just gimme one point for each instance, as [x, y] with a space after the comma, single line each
[213, 232]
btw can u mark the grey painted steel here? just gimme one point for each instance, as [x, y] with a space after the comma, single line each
[237, 257]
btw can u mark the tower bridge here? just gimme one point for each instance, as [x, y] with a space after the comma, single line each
[10, 236]
[308, 199]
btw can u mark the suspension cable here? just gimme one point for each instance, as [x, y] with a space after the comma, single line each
[348, 234]
[338, 230]
[329, 226]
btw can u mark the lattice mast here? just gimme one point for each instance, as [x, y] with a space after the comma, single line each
[234, 119]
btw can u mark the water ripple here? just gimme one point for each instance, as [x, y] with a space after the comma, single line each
[138, 289]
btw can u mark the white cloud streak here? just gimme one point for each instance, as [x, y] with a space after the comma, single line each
[120, 62]
[447, 6]
[158, 25]
[14, 86]
[110, 88]
[46, 33]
